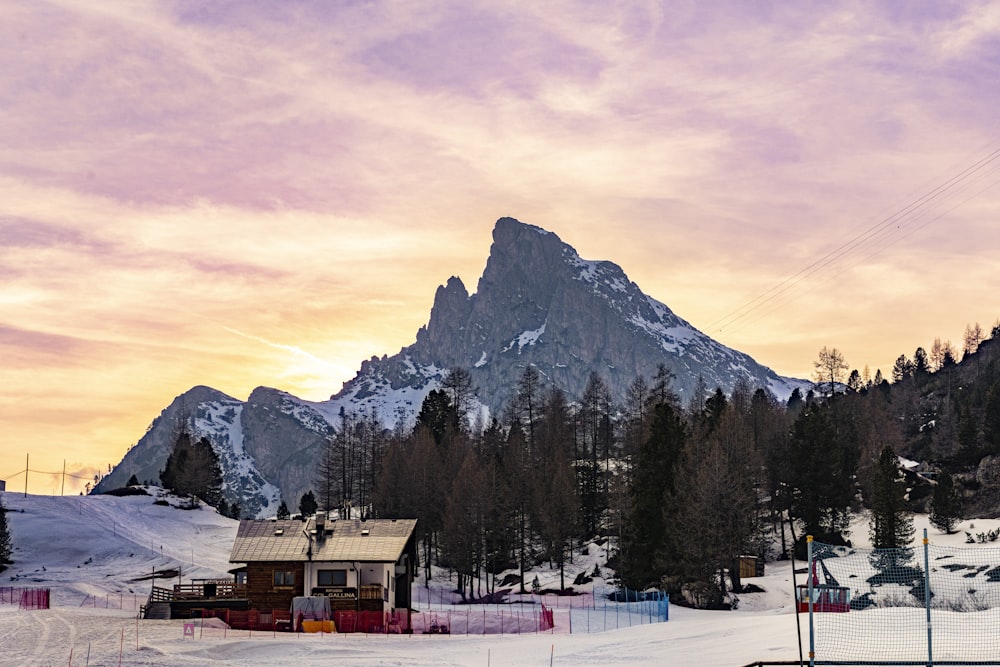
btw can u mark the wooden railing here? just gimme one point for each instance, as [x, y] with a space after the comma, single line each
[160, 595]
[201, 590]
[372, 592]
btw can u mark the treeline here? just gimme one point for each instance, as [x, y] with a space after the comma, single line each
[525, 489]
[680, 491]
[676, 490]
[950, 410]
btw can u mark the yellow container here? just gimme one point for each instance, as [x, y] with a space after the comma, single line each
[318, 626]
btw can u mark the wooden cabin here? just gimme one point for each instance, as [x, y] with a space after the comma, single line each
[363, 566]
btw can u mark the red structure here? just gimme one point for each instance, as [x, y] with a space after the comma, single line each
[34, 598]
[828, 595]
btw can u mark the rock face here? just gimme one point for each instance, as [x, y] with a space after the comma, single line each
[285, 437]
[203, 412]
[982, 488]
[537, 303]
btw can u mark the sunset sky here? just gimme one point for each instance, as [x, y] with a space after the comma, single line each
[246, 193]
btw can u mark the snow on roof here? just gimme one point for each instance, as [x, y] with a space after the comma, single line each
[371, 541]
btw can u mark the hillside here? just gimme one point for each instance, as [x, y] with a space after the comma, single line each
[949, 419]
[90, 550]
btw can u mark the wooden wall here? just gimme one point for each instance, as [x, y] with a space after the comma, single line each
[261, 589]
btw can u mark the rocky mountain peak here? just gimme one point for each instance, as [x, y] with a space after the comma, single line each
[451, 305]
[523, 259]
[537, 303]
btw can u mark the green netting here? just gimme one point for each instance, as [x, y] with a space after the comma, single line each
[870, 606]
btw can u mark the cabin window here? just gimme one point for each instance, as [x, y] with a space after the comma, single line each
[284, 577]
[331, 578]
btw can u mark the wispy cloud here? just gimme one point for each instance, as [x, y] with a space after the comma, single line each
[176, 175]
[297, 351]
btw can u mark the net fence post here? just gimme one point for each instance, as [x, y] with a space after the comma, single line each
[927, 600]
[809, 573]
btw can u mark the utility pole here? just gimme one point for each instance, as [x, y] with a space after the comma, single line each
[26, 459]
[62, 491]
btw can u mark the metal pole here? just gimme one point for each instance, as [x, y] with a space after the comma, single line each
[26, 459]
[62, 491]
[798, 616]
[809, 573]
[927, 600]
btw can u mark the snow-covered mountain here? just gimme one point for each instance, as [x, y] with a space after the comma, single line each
[204, 412]
[537, 303]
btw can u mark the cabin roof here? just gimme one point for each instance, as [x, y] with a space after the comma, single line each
[371, 541]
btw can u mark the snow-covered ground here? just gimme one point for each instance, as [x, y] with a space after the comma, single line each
[97, 553]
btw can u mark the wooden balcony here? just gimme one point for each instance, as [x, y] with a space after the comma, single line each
[373, 592]
[207, 589]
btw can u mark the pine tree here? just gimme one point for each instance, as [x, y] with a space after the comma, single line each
[645, 537]
[715, 510]
[516, 468]
[527, 403]
[902, 369]
[556, 501]
[795, 402]
[921, 363]
[819, 472]
[283, 512]
[439, 415]
[854, 382]
[946, 504]
[307, 504]
[457, 384]
[499, 518]
[460, 541]
[891, 523]
[596, 435]
[193, 469]
[6, 548]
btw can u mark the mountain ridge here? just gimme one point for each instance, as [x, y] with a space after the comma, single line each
[537, 303]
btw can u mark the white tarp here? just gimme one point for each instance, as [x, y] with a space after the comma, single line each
[310, 608]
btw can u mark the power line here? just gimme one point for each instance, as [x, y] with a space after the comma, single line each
[913, 211]
[870, 234]
[772, 305]
[59, 473]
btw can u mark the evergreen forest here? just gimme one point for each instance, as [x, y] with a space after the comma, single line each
[676, 490]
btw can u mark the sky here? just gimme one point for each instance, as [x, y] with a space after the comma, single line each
[249, 193]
